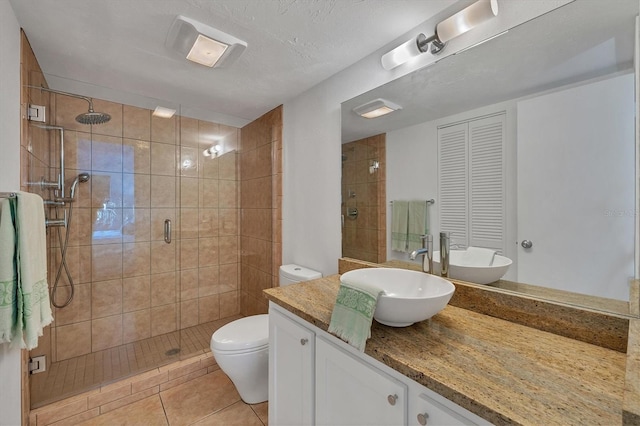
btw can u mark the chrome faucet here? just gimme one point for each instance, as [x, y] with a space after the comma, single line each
[445, 241]
[426, 250]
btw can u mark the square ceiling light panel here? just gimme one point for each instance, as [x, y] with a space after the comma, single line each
[203, 44]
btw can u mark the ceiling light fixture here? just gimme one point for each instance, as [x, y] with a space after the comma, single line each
[203, 44]
[163, 112]
[376, 108]
[455, 25]
[212, 151]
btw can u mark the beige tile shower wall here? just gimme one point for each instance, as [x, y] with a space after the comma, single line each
[129, 283]
[261, 209]
[363, 188]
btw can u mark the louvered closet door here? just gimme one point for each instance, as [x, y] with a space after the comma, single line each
[453, 181]
[472, 182]
[486, 183]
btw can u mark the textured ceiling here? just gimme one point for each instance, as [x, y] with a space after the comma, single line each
[292, 45]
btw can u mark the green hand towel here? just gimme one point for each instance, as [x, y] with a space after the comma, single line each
[399, 225]
[353, 313]
[417, 224]
[8, 272]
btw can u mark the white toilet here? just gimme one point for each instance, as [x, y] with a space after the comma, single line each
[241, 348]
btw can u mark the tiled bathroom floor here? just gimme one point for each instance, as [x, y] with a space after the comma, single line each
[208, 400]
[79, 374]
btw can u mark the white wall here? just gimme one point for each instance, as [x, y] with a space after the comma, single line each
[576, 153]
[10, 411]
[311, 187]
[412, 170]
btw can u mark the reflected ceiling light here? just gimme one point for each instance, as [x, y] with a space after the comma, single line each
[203, 44]
[376, 108]
[163, 112]
[458, 24]
[212, 151]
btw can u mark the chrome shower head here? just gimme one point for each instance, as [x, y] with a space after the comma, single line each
[89, 117]
[92, 117]
[82, 177]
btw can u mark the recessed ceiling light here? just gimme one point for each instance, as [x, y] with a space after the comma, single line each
[163, 112]
[206, 51]
[376, 108]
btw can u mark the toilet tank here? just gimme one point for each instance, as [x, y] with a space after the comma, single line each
[290, 274]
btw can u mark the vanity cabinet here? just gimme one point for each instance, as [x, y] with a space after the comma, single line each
[291, 371]
[317, 379]
[350, 392]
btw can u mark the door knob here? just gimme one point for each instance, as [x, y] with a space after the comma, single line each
[392, 399]
[303, 341]
[526, 244]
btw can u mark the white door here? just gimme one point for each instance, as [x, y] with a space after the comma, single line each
[576, 188]
[350, 392]
[291, 372]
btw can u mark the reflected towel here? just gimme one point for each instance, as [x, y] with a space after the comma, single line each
[34, 308]
[399, 225]
[417, 224]
[353, 313]
[8, 272]
[478, 256]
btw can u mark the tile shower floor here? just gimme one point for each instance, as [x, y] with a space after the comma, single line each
[75, 375]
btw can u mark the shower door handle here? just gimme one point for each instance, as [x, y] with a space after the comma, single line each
[167, 231]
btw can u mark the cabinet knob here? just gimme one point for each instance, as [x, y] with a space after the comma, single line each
[392, 399]
[422, 418]
[303, 341]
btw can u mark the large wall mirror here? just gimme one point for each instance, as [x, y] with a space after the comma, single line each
[560, 89]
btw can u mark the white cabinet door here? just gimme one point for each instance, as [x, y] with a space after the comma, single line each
[351, 392]
[291, 371]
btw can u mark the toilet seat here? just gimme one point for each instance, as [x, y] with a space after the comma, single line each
[244, 335]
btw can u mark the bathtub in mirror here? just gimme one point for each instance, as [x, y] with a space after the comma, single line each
[559, 91]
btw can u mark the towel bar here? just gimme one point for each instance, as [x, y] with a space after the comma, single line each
[430, 201]
[8, 195]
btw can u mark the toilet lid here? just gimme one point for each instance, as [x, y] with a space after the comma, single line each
[246, 333]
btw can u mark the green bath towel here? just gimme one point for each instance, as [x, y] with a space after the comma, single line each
[353, 313]
[24, 293]
[8, 272]
[34, 307]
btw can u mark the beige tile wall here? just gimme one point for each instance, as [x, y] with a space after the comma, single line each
[364, 238]
[130, 284]
[261, 209]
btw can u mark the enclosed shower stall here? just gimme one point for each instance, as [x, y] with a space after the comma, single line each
[143, 236]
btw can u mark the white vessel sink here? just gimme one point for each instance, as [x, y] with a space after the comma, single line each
[474, 274]
[409, 296]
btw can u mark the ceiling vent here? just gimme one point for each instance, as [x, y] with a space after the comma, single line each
[203, 44]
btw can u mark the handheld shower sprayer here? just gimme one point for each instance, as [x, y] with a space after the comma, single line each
[82, 177]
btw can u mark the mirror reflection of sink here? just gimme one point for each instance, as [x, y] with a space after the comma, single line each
[474, 274]
[409, 296]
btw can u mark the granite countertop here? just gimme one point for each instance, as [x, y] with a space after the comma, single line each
[502, 371]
